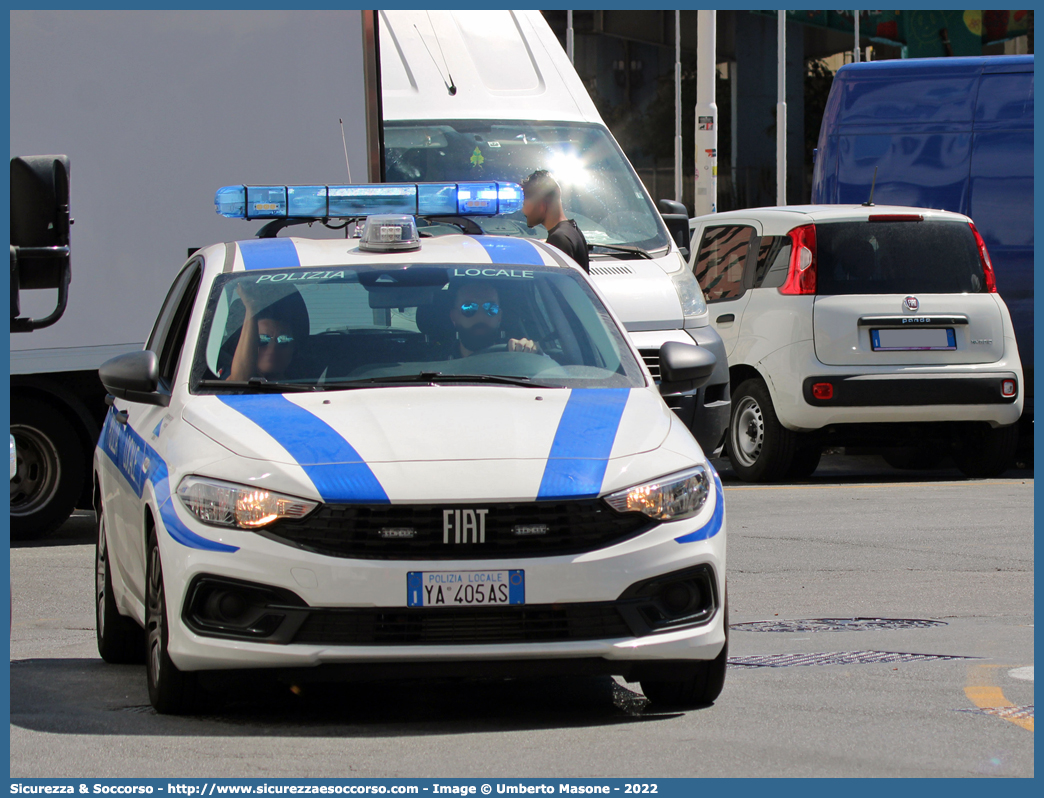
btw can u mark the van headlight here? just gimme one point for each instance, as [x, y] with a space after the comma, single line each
[689, 293]
[669, 498]
[227, 504]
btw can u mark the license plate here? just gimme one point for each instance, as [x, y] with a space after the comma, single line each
[907, 340]
[465, 588]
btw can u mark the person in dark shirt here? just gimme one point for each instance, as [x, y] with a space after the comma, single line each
[543, 205]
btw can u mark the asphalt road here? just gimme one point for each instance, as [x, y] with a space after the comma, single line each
[858, 540]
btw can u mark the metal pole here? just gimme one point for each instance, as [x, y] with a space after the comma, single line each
[706, 194]
[781, 109]
[856, 55]
[677, 109]
[569, 35]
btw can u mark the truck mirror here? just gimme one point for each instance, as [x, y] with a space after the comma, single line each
[39, 233]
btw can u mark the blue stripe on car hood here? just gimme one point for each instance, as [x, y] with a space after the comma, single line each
[335, 468]
[580, 451]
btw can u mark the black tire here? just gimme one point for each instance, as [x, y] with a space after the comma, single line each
[171, 691]
[760, 448]
[51, 469]
[805, 462]
[984, 451]
[120, 639]
[694, 685]
[908, 458]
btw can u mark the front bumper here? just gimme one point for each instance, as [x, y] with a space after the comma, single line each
[348, 595]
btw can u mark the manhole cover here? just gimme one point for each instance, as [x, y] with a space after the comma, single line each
[836, 625]
[836, 658]
[137, 710]
[1010, 713]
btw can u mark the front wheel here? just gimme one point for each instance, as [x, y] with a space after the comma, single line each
[693, 685]
[171, 691]
[120, 639]
[760, 448]
[984, 451]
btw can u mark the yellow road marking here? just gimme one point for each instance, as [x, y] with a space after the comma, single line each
[982, 692]
[881, 485]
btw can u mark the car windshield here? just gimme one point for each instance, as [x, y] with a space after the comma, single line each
[356, 327]
[907, 257]
[599, 188]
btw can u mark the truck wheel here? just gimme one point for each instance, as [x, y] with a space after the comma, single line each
[760, 448]
[50, 473]
[120, 639]
[986, 451]
[696, 684]
[171, 691]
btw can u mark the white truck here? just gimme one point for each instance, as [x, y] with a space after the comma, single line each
[157, 109]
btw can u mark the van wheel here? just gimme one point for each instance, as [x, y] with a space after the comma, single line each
[50, 472]
[171, 691]
[693, 685]
[986, 451]
[120, 639]
[805, 462]
[760, 448]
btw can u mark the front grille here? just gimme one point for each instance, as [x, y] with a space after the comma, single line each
[652, 361]
[350, 530]
[531, 624]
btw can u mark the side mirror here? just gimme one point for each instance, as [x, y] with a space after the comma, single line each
[39, 233]
[685, 367]
[676, 217]
[134, 377]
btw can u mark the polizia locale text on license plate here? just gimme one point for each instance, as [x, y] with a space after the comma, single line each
[465, 588]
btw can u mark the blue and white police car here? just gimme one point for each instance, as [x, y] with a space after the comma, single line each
[397, 453]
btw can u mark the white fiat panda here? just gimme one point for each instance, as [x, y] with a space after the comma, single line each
[859, 326]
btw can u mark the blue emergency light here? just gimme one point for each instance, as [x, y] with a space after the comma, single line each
[350, 202]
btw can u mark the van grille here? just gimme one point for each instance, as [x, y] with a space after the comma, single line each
[652, 360]
[530, 529]
[611, 270]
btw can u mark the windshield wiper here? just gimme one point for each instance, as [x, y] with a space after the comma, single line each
[430, 378]
[256, 383]
[625, 248]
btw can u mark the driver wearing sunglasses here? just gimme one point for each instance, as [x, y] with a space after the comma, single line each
[476, 315]
[266, 341]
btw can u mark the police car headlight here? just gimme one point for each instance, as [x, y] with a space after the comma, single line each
[669, 498]
[227, 504]
[689, 293]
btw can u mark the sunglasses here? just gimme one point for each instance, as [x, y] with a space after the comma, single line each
[469, 309]
[281, 340]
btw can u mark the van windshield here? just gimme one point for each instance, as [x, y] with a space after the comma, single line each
[927, 257]
[599, 188]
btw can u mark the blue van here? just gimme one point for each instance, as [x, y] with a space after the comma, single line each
[948, 133]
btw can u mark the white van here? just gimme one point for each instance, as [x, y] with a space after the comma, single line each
[491, 95]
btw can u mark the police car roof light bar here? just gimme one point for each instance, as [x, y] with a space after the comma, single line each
[357, 201]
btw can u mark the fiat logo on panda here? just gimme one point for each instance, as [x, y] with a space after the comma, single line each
[911, 303]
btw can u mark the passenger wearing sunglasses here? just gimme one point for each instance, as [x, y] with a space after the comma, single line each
[266, 340]
[476, 316]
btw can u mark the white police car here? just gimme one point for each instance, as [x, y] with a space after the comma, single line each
[402, 455]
